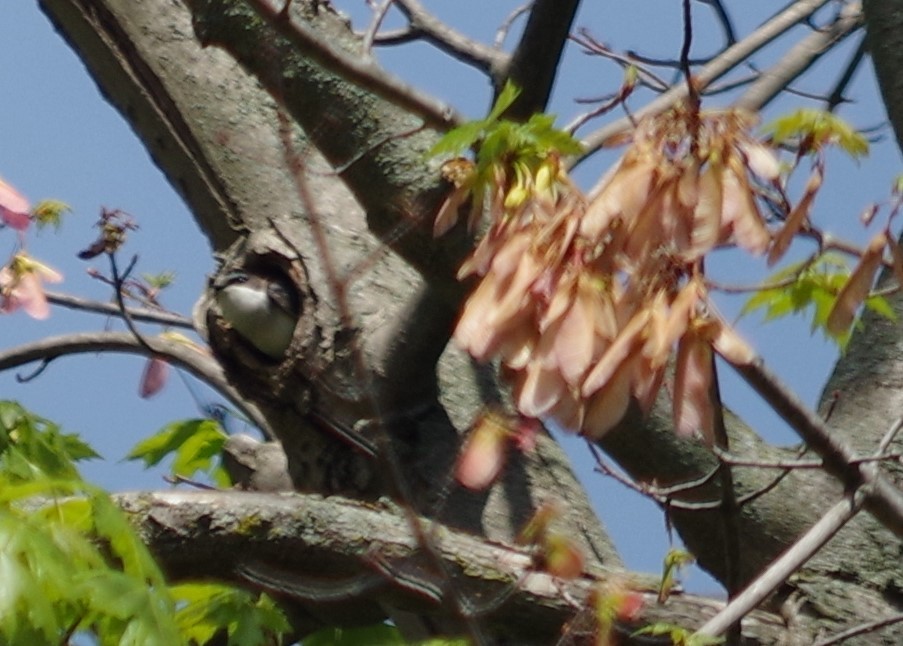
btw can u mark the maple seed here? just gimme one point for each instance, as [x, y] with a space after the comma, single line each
[584, 299]
[484, 453]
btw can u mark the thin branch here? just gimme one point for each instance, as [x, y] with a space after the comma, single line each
[727, 26]
[181, 355]
[118, 286]
[785, 565]
[486, 59]
[883, 500]
[378, 16]
[835, 97]
[800, 57]
[366, 73]
[731, 58]
[594, 47]
[861, 629]
[144, 315]
[502, 32]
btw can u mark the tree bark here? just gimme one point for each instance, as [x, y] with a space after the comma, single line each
[214, 128]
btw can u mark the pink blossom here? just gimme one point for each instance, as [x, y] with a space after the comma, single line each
[156, 371]
[14, 208]
[21, 286]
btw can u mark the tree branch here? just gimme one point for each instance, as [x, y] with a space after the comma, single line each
[789, 562]
[732, 57]
[883, 499]
[423, 23]
[534, 63]
[336, 545]
[800, 57]
[190, 358]
[365, 73]
[145, 315]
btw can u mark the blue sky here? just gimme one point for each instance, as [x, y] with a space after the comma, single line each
[59, 138]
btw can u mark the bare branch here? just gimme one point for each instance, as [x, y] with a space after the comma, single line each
[883, 500]
[800, 57]
[731, 58]
[862, 629]
[788, 563]
[320, 542]
[434, 31]
[138, 314]
[190, 358]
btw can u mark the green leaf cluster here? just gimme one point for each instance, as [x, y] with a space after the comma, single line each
[71, 564]
[814, 129]
[31, 447]
[50, 213]
[679, 636]
[811, 285]
[69, 560]
[206, 610]
[501, 141]
[376, 635]
[195, 446]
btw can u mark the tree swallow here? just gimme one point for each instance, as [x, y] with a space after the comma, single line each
[262, 309]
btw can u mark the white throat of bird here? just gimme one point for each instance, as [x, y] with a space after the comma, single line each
[258, 309]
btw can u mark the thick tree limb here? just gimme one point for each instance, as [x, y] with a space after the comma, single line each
[334, 545]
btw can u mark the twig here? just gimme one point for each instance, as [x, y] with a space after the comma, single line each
[883, 500]
[118, 281]
[861, 629]
[179, 354]
[786, 564]
[724, 19]
[835, 97]
[436, 32]
[378, 16]
[731, 58]
[800, 57]
[502, 32]
[137, 314]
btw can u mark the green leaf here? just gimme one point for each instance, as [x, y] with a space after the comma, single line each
[504, 101]
[193, 443]
[199, 451]
[111, 524]
[499, 140]
[880, 305]
[378, 635]
[810, 286]
[206, 609]
[33, 447]
[816, 129]
[161, 280]
[678, 635]
[50, 213]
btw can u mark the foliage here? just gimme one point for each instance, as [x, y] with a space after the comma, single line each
[195, 446]
[812, 129]
[497, 138]
[71, 563]
[378, 635]
[810, 285]
[679, 636]
[205, 609]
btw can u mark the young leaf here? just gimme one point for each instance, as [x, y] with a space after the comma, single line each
[814, 129]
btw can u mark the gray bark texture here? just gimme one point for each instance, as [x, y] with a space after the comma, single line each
[200, 82]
